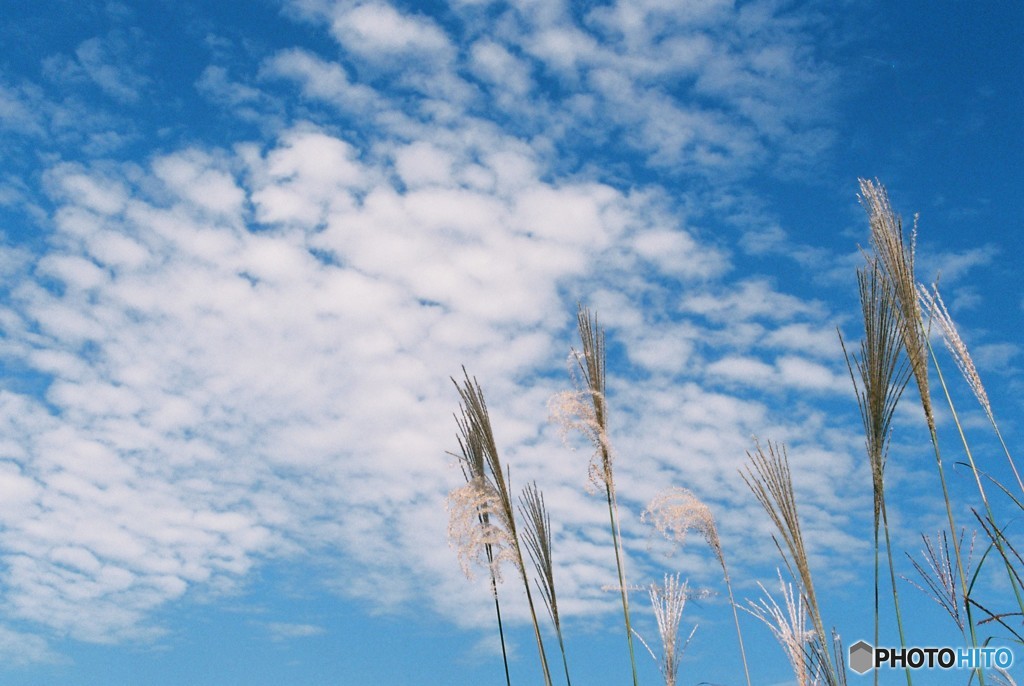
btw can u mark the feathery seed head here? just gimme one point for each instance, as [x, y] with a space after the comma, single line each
[896, 258]
[477, 527]
[585, 408]
[936, 308]
[939, 573]
[536, 534]
[882, 371]
[677, 511]
[575, 411]
[769, 478]
[668, 601]
[789, 627]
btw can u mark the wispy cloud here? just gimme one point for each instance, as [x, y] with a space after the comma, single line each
[286, 631]
[321, 80]
[21, 649]
[111, 62]
[17, 110]
[705, 92]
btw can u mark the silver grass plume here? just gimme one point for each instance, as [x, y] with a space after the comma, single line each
[668, 601]
[676, 511]
[537, 537]
[487, 491]
[896, 258]
[932, 302]
[789, 627]
[769, 478]
[585, 409]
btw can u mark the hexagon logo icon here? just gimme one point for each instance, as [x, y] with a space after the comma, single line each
[862, 657]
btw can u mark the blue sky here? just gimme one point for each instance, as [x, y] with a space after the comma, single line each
[245, 245]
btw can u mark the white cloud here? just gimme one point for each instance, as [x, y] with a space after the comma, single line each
[786, 372]
[111, 62]
[376, 30]
[992, 356]
[250, 348]
[196, 178]
[677, 253]
[812, 376]
[196, 378]
[215, 83]
[424, 164]
[644, 21]
[17, 113]
[306, 178]
[320, 80]
[18, 649]
[707, 90]
[104, 196]
[815, 340]
[950, 266]
[104, 61]
[752, 299]
[284, 631]
[224, 394]
[745, 370]
[563, 49]
[492, 62]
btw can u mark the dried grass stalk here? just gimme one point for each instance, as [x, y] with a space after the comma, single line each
[675, 512]
[936, 308]
[537, 537]
[882, 374]
[487, 492]
[939, 575]
[668, 601]
[585, 408]
[769, 478]
[896, 258]
[789, 627]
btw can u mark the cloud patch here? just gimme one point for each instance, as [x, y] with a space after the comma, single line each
[111, 62]
[242, 351]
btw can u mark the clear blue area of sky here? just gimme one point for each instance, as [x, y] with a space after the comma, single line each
[750, 144]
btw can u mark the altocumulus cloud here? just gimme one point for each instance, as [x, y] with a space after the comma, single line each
[245, 348]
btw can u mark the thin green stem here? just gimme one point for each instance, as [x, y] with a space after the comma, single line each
[565, 661]
[1006, 451]
[501, 628]
[736, 619]
[593, 367]
[877, 603]
[472, 464]
[977, 477]
[895, 592]
[964, 589]
[497, 605]
[612, 508]
[529, 596]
